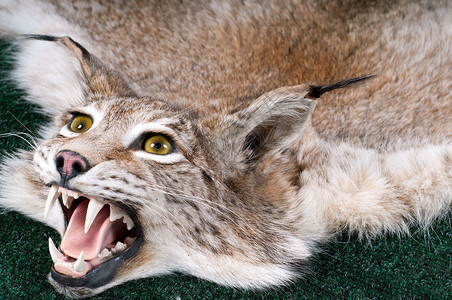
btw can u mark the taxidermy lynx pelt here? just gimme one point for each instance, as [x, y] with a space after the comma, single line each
[227, 140]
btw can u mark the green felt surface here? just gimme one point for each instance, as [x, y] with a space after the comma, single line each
[415, 267]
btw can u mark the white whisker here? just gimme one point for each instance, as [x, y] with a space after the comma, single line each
[23, 125]
[31, 143]
[205, 202]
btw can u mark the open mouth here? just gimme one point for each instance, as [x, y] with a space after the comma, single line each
[99, 237]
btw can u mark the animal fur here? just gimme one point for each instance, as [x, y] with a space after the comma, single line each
[262, 172]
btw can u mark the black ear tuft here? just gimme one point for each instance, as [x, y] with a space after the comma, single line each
[51, 38]
[41, 37]
[315, 91]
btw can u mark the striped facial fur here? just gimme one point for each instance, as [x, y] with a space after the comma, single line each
[126, 202]
[191, 137]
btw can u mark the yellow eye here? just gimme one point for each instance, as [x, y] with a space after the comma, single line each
[157, 144]
[80, 124]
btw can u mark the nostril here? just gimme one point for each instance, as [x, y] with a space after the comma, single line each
[59, 161]
[77, 167]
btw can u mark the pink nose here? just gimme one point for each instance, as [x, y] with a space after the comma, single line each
[70, 164]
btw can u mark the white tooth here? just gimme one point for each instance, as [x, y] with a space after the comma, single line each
[118, 248]
[128, 222]
[93, 209]
[64, 196]
[67, 197]
[79, 265]
[54, 253]
[70, 200]
[104, 254]
[115, 214]
[51, 198]
[74, 194]
[129, 241]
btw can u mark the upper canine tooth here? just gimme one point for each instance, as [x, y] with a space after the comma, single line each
[79, 265]
[54, 253]
[51, 198]
[94, 207]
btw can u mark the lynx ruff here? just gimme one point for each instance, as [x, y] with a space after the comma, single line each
[203, 153]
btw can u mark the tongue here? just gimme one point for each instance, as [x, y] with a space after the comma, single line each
[102, 233]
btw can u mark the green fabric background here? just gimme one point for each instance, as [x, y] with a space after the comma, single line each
[414, 267]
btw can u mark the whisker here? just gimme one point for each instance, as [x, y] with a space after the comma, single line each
[32, 144]
[23, 125]
[207, 202]
[126, 197]
[210, 204]
[204, 202]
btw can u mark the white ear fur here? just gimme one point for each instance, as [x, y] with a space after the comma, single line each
[51, 76]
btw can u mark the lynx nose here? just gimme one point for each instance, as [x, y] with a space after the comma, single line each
[70, 164]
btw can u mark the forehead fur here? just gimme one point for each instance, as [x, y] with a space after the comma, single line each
[146, 107]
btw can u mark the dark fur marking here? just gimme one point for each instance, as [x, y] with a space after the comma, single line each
[207, 179]
[85, 52]
[187, 216]
[50, 38]
[195, 207]
[41, 37]
[254, 145]
[171, 199]
[315, 91]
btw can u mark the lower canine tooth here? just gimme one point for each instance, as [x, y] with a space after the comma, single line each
[54, 253]
[79, 265]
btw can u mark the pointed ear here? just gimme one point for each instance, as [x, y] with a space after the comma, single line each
[99, 79]
[272, 122]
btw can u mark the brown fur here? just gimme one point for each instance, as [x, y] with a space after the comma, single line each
[318, 41]
[262, 173]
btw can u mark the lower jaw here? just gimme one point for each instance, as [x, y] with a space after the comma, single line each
[101, 274]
